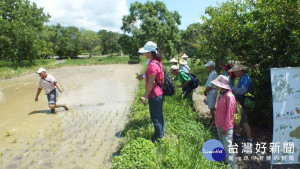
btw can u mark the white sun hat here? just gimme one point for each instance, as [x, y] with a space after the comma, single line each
[173, 60]
[148, 47]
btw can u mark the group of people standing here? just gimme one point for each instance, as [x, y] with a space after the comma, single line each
[223, 108]
[221, 94]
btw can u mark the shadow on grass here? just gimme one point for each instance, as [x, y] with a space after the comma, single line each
[135, 124]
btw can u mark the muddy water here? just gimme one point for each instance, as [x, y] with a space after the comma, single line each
[86, 136]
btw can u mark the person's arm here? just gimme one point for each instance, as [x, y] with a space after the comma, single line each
[186, 83]
[37, 94]
[230, 110]
[206, 90]
[57, 85]
[241, 91]
[150, 84]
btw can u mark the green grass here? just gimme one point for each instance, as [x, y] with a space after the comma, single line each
[96, 60]
[8, 70]
[185, 134]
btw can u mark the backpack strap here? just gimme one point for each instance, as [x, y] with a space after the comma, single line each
[156, 81]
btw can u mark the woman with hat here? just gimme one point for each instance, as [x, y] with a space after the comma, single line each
[153, 92]
[183, 66]
[185, 57]
[173, 61]
[226, 106]
[243, 87]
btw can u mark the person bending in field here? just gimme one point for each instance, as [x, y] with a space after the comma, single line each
[184, 81]
[51, 87]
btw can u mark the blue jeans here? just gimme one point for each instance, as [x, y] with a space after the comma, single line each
[157, 116]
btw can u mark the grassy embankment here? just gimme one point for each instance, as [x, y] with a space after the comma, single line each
[8, 70]
[185, 135]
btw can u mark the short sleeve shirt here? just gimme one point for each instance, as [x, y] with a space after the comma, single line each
[212, 76]
[47, 83]
[154, 68]
[246, 81]
[182, 77]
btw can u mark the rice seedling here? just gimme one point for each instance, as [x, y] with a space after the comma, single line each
[1, 154]
[8, 133]
[15, 140]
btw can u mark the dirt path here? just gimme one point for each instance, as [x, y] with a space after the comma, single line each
[86, 136]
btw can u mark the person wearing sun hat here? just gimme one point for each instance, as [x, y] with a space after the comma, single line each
[243, 87]
[225, 109]
[210, 89]
[173, 61]
[153, 92]
[51, 88]
[183, 66]
[185, 57]
[184, 81]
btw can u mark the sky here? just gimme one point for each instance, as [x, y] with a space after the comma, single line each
[107, 14]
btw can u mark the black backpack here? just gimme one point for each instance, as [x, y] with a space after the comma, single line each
[194, 83]
[167, 86]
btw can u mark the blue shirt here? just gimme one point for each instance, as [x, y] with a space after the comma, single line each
[243, 86]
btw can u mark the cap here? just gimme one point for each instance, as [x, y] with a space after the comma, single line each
[210, 63]
[148, 47]
[41, 70]
[174, 67]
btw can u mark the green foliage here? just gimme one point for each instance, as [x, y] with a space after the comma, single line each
[20, 26]
[89, 41]
[109, 42]
[68, 44]
[262, 34]
[139, 153]
[151, 21]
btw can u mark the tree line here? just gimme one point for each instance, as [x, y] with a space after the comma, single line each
[260, 33]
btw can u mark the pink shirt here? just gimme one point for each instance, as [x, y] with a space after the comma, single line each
[226, 106]
[154, 68]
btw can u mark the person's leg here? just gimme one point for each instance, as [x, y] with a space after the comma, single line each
[245, 124]
[52, 107]
[227, 140]
[247, 130]
[156, 114]
[212, 112]
[52, 100]
[211, 102]
[62, 105]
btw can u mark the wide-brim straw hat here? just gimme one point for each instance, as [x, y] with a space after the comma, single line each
[237, 66]
[222, 82]
[184, 56]
[183, 62]
[173, 60]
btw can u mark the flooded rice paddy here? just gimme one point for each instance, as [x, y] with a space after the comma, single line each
[86, 136]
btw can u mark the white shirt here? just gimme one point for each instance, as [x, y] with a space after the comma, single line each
[47, 84]
[185, 68]
[212, 76]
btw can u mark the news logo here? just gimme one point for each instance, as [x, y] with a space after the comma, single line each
[213, 150]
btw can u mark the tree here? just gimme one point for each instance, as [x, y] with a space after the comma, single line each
[109, 42]
[89, 40]
[262, 34]
[20, 27]
[151, 21]
[68, 42]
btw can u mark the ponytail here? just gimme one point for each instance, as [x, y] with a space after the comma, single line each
[157, 55]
